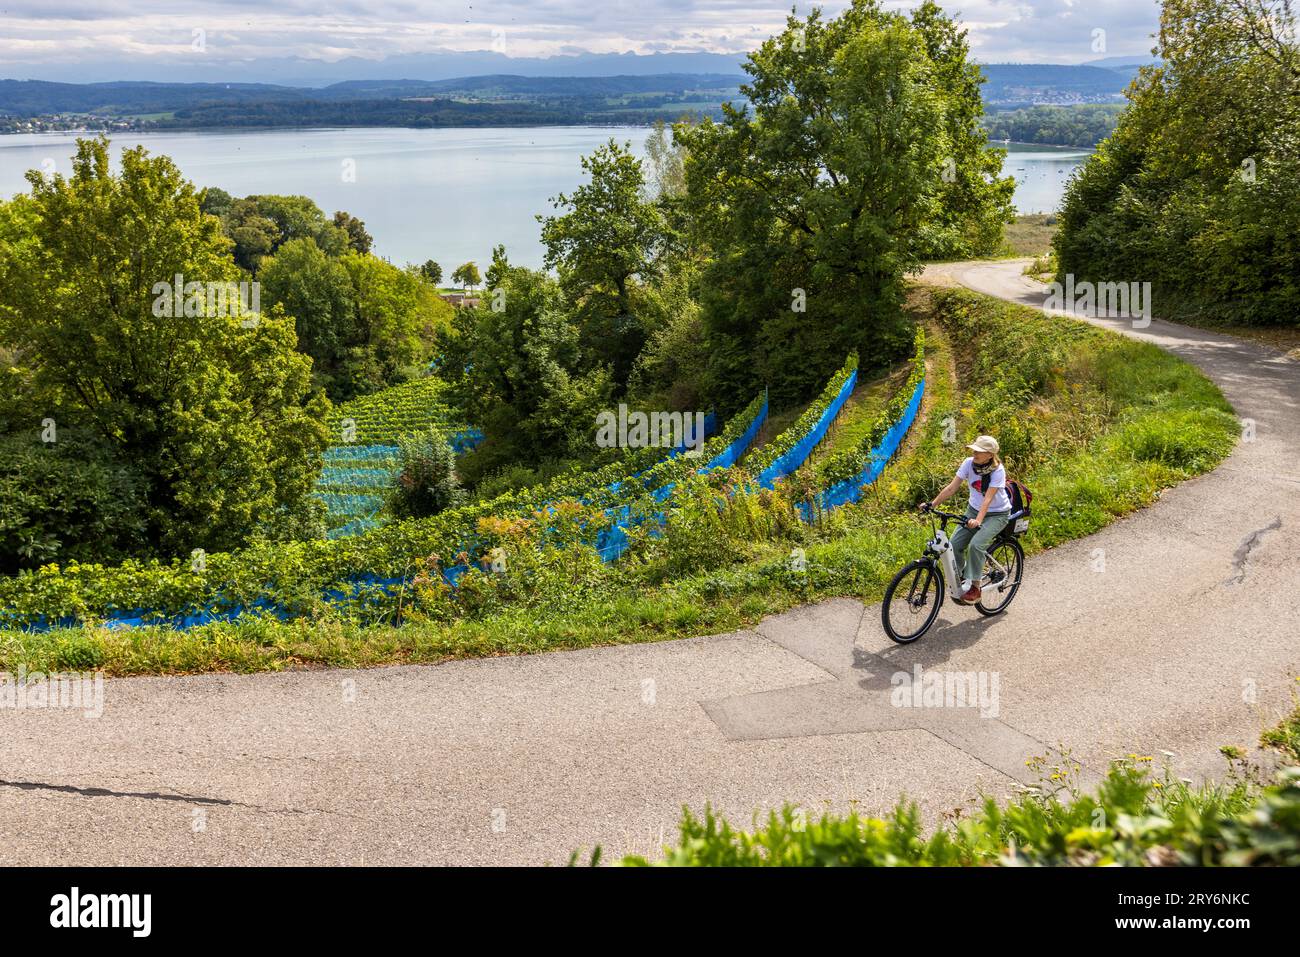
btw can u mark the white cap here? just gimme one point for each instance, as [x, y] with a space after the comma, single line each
[985, 443]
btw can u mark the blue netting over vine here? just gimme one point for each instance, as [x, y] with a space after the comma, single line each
[797, 454]
[613, 542]
[850, 490]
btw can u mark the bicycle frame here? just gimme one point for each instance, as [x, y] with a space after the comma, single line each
[940, 548]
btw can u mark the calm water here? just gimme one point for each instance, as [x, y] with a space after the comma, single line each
[1041, 173]
[445, 194]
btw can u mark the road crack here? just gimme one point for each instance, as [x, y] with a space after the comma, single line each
[1242, 554]
[93, 792]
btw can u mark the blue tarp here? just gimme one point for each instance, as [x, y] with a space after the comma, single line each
[850, 490]
[796, 455]
[612, 542]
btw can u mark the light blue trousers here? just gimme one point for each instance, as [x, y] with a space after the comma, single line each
[969, 546]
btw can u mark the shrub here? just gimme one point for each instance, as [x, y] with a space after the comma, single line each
[1133, 818]
[69, 500]
[426, 482]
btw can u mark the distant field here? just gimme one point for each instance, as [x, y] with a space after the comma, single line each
[1029, 235]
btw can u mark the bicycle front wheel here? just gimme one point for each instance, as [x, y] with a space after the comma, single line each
[912, 601]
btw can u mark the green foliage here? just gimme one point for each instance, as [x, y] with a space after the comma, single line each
[65, 500]
[294, 574]
[466, 275]
[520, 377]
[1080, 124]
[211, 412]
[857, 155]
[667, 161]
[365, 323]
[602, 242]
[715, 520]
[850, 462]
[1195, 190]
[1134, 818]
[974, 198]
[496, 272]
[359, 241]
[316, 290]
[382, 418]
[1285, 737]
[668, 373]
[761, 458]
[259, 225]
[432, 272]
[426, 482]
[398, 318]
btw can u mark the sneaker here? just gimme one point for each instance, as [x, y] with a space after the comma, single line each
[972, 596]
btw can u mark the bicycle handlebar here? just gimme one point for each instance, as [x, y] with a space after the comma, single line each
[941, 514]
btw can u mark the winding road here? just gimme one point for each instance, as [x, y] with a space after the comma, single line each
[1172, 630]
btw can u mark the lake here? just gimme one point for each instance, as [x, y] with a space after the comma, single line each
[443, 194]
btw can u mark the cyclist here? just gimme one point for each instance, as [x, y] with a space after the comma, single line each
[987, 511]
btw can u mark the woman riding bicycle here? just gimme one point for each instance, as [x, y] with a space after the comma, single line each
[987, 511]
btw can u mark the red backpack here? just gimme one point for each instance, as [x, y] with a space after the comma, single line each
[1021, 497]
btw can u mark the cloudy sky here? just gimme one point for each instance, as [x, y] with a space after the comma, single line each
[160, 39]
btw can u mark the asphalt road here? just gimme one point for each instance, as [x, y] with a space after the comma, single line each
[1170, 630]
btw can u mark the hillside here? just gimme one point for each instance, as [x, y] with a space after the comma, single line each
[495, 99]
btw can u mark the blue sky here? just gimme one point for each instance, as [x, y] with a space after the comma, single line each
[62, 39]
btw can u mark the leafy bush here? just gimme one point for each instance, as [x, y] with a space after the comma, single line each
[1195, 191]
[426, 482]
[69, 500]
[1134, 818]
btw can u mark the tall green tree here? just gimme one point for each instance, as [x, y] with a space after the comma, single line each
[467, 276]
[431, 271]
[521, 377]
[602, 244]
[974, 198]
[826, 188]
[1195, 191]
[359, 240]
[366, 323]
[316, 291]
[211, 408]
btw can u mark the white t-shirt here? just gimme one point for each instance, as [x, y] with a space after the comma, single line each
[997, 480]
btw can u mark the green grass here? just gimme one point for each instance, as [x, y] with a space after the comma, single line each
[856, 418]
[1285, 738]
[1095, 423]
[775, 423]
[1029, 235]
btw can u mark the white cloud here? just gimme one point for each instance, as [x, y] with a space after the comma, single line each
[36, 37]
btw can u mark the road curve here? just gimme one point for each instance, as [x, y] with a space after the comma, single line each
[1173, 629]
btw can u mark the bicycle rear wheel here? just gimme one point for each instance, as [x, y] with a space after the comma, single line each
[912, 601]
[1005, 562]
